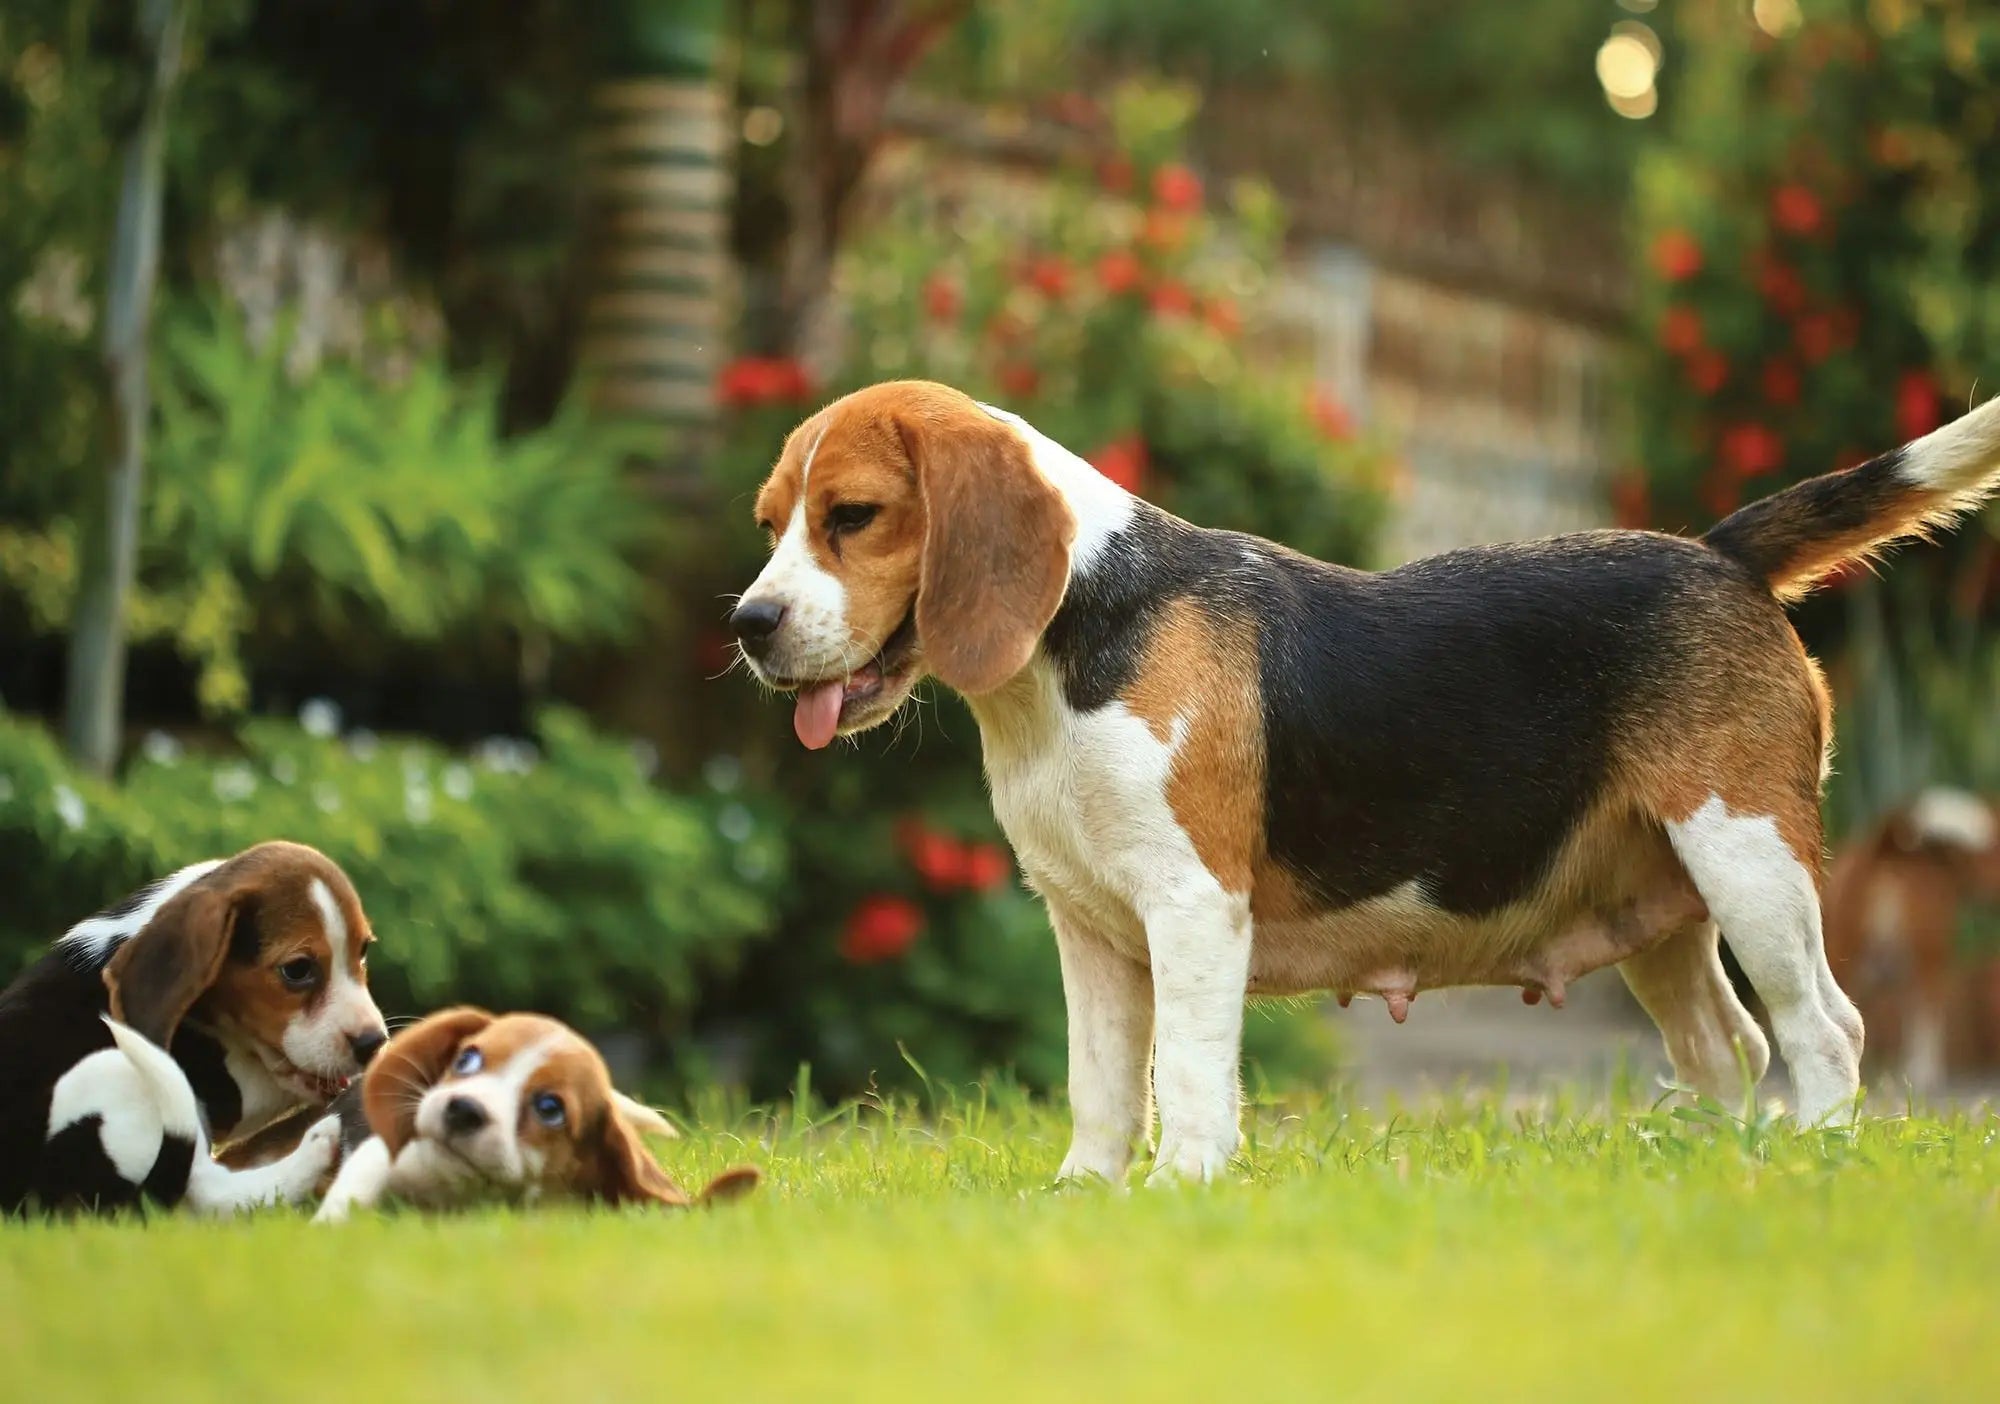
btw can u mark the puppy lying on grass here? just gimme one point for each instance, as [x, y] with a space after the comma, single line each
[468, 1105]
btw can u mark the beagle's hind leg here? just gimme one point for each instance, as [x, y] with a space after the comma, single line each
[1680, 982]
[1766, 901]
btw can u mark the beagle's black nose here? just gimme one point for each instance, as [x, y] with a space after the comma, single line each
[365, 1046]
[463, 1116]
[754, 621]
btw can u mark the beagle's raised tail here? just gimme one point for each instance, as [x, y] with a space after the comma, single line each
[1796, 538]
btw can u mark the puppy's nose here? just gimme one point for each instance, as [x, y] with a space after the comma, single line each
[365, 1046]
[463, 1116]
[754, 621]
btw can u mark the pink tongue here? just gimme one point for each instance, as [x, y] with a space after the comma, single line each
[817, 714]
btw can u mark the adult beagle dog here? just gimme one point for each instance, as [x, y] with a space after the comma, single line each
[468, 1105]
[1895, 897]
[1229, 768]
[202, 1008]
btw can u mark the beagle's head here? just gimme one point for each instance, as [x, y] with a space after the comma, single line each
[518, 1104]
[269, 951]
[912, 534]
[1958, 830]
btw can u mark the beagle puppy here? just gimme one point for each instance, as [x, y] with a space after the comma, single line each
[1894, 900]
[469, 1105]
[199, 1009]
[1228, 768]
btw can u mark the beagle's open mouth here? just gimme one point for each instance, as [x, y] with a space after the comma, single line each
[825, 707]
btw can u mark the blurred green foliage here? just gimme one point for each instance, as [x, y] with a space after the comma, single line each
[346, 503]
[1504, 86]
[554, 876]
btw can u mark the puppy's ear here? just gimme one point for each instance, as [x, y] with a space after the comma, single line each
[996, 546]
[730, 1184]
[409, 1066]
[628, 1174]
[157, 975]
[644, 1119]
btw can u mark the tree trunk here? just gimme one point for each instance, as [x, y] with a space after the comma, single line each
[109, 549]
[656, 324]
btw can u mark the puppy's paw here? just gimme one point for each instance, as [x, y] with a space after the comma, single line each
[1189, 1162]
[306, 1167]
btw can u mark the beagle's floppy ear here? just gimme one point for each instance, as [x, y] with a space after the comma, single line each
[997, 538]
[628, 1174]
[409, 1066]
[158, 974]
[645, 1120]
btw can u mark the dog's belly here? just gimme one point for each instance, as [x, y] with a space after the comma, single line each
[1616, 890]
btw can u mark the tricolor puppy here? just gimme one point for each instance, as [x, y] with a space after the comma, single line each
[200, 1009]
[1230, 768]
[1895, 898]
[469, 1105]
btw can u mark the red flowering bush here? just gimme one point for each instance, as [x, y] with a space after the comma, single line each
[1818, 256]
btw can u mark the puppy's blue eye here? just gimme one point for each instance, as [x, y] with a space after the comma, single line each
[469, 1061]
[548, 1108]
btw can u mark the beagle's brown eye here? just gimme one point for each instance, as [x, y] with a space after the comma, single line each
[850, 517]
[300, 972]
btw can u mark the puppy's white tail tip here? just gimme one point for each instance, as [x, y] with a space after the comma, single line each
[180, 1113]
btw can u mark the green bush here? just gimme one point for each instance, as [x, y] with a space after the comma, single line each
[348, 506]
[554, 876]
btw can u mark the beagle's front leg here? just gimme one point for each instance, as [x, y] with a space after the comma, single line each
[1109, 999]
[361, 1183]
[1200, 945]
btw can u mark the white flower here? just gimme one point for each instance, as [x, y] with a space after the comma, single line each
[458, 781]
[723, 774]
[735, 823]
[414, 767]
[160, 748]
[506, 755]
[326, 797]
[320, 717]
[234, 782]
[417, 803]
[362, 744]
[69, 807]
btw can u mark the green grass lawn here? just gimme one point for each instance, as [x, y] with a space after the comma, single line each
[891, 1255]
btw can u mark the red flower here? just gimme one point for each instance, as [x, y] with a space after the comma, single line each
[1751, 450]
[1707, 371]
[763, 380]
[1221, 314]
[1177, 188]
[942, 298]
[1676, 255]
[1796, 210]
[1680, 330]
[1780, 381]
[1916, 404]
[1119, 272]
[938, 858]
[1170, 299]
[986, 866]
[1124, 462]
[1781, 286]
[1814, 335]
[1631, 502]
[1114, 173]
[1050, 276]
[1330, 417]
[1019, 379]
[880, 927]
